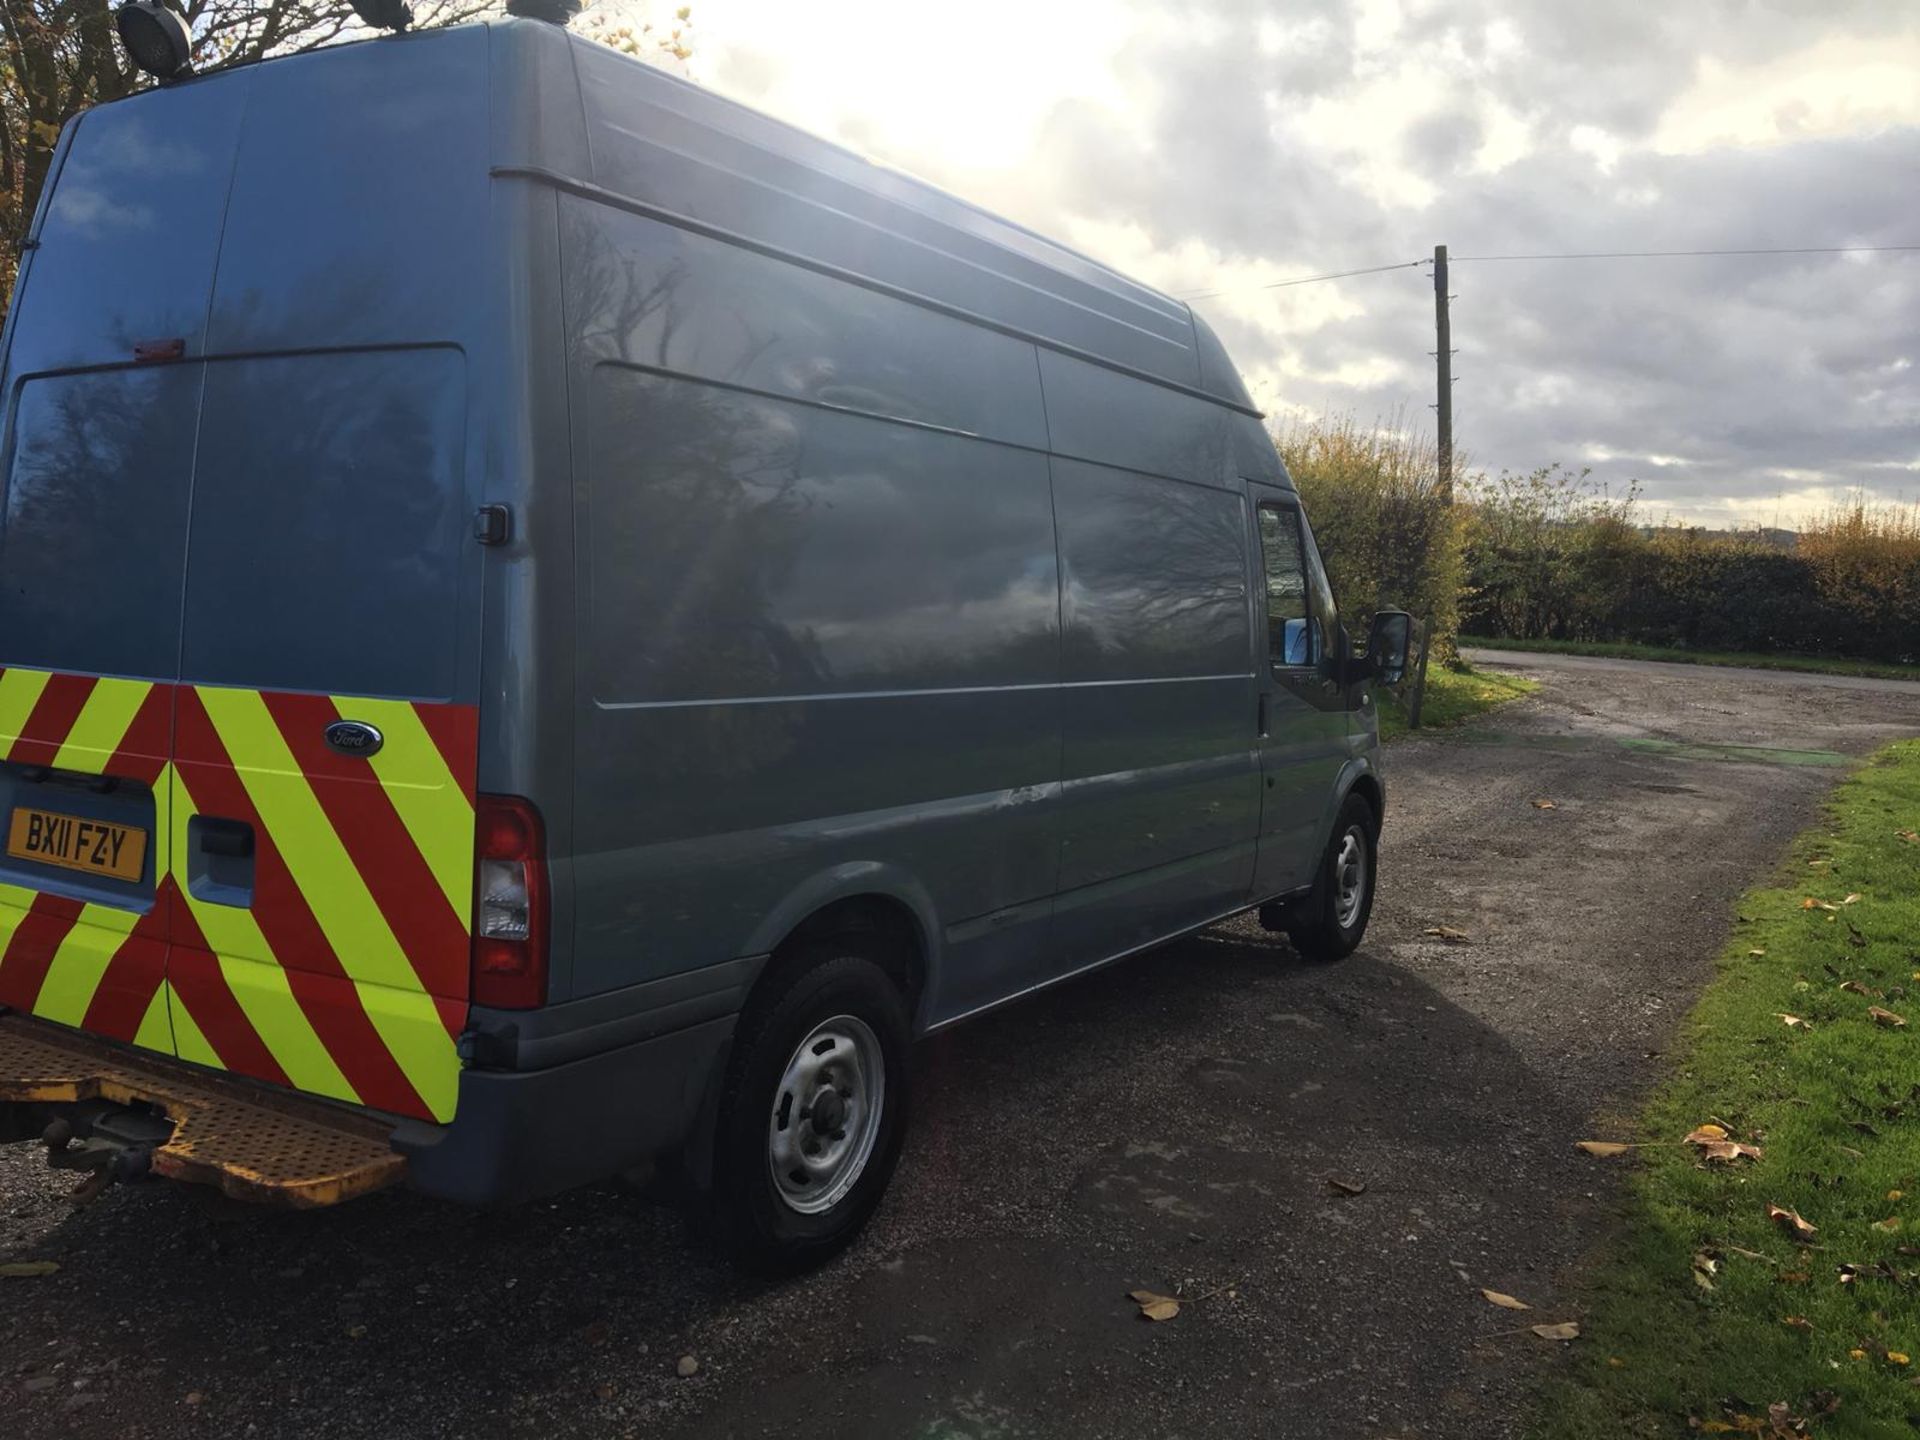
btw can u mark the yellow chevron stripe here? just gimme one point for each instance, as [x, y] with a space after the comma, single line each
[80, 962]
[156, 1026]
[19, 693]
[402, 1013]
[258, 982]
[266, 996]
[189, 1042]
[432, 806]
[75, 972]
[102, 725]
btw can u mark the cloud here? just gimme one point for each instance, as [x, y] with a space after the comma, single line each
[1227, 144]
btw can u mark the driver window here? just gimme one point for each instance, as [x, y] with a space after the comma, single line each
[1293, 631]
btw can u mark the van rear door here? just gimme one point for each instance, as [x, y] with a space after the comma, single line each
[103, 404]
[237, 510]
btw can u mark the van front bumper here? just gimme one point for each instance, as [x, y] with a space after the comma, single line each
[520, 1134]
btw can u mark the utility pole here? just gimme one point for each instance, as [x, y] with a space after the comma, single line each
[1443, 410]
[1443, 370]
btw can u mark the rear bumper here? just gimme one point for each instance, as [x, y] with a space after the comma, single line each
[521, 1134]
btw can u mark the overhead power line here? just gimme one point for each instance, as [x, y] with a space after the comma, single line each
[1673, 254]
[1306, 279]
[1566, 255]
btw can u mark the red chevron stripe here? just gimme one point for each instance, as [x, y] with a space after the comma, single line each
[383, 850]
[47, 728]
[144, 748]
[196, 979]
[455, 732]
[138, 966]
[29, 954]
[327, 996]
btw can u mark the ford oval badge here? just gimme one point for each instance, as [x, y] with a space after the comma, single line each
[354, 737]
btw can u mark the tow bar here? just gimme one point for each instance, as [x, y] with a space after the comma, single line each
[118, 1114]
[113, 1144]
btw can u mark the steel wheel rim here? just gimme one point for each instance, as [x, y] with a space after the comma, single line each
[1349, 878]
[826, 1115]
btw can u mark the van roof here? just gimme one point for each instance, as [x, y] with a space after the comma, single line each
[639, 135]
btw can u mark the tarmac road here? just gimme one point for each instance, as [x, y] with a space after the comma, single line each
[1171, 1123]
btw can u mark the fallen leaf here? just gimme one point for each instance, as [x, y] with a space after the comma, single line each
[1796, 1322]
[356, 1332]
[1565, 1330]
[1756, 952]
[1886, 1018]
[1447, 933]
[1912, 837]
[1793, 1022]
[196, 1397]
[1790, 1221]
[1730, 1150]
[1794, 1277]
[1852, 899]
[1603, 1148]
[1895, 1194]
[1856, 1354]
[1712, 1427]
[1705, 1267]
[1888, 1226]
[1346, 1187]
[27, 1269]
[1505, 1302]
[1854, 987]
[1899, 1357]
[1706, 1134]
[1545, 805]
[1156, 1307]
[1812, 904]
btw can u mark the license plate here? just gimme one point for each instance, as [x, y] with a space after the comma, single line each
[98, 847]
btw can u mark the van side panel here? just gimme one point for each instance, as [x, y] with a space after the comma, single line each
[819, 598]
[692, 153]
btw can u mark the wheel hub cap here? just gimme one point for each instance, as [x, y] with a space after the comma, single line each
[826, 1115]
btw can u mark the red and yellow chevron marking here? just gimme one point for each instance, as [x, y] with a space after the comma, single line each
[344, 973]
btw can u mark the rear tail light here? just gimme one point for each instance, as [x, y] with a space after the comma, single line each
[509, 904]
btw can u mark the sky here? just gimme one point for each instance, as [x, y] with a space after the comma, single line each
[1211, 148]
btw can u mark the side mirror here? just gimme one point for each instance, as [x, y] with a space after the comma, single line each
[1388, 644]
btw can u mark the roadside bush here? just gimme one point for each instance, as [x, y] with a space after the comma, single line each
[1389, 538]
[1550, 557]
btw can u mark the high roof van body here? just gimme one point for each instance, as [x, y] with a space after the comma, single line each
[549, 618]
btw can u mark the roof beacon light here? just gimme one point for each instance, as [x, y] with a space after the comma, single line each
[157, 39]
[554, 12]
[384, 14]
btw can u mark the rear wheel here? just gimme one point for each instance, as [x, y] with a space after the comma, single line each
[814, 1109]
[1329, 921]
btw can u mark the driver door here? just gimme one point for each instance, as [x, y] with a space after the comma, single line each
[1304, 719]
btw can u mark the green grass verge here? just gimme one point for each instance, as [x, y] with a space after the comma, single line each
[1452, 696]
[1835, 1109]
[1815, 664]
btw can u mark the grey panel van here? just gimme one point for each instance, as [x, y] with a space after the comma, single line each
[549, 619]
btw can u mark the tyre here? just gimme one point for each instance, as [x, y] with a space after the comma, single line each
[814, 1109]
[1328, 922]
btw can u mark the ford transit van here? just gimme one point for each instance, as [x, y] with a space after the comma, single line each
[550, 620]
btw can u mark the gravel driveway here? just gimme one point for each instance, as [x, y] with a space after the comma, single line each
[1172, 1123]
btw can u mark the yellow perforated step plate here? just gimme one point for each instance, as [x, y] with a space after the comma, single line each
[254, 1144]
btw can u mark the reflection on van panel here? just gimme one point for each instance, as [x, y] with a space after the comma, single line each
[615, 615]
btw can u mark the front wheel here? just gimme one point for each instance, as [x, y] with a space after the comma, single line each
[814, 1110]
[1329, 922]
